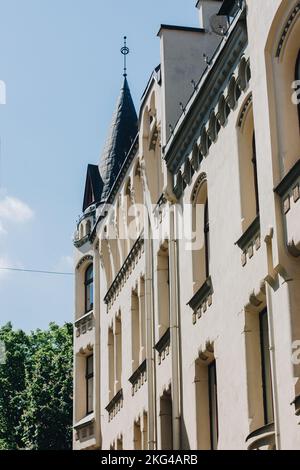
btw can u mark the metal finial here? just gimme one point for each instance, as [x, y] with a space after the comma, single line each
[125, 51]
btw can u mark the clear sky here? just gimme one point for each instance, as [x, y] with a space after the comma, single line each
[62, 68]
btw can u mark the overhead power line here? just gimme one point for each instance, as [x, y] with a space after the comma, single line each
[36, 271]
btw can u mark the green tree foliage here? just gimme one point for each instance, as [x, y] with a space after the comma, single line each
[36, 388]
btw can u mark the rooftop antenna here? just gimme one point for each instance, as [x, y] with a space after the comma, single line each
[125, 51]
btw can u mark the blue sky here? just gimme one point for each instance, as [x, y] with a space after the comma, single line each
[62, 68]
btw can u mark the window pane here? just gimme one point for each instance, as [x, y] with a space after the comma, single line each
[89, 274]
[213, 405]
[89, 296]
[207, 239]
[89, 383]
[89, 288]
[90, 362]
[266, 368]
[90, 394]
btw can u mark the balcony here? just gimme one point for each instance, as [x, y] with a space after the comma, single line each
[84, 227]
[163, 346]
[115, 405]
[84, 332]
[85, 432]
[262, 439]
[201, 300]
[139, 377]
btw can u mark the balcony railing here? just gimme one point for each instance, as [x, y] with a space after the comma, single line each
[115, 405]
[250, 240]
[139, 377]
[163, 346]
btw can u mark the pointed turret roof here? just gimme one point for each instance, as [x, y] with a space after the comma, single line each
[93, 187]
[123, 130]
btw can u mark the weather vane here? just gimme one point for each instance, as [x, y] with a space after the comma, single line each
[125, 51]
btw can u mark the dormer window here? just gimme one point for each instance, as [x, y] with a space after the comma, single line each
[89, 288]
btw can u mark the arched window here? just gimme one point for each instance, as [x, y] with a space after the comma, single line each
[248, 167]
[206, 238]
[200, 248]
[89, 288]
[254, 163]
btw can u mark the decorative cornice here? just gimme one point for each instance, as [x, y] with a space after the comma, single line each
[199, 182]
[245, 110]
[206, 136]
[286, 28]
[212, 84]
[135, 253]
[290, 178]
[84, 259]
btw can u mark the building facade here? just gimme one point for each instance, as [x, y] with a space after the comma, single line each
[187, 292]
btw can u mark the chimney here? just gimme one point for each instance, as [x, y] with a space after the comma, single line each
[207, 8]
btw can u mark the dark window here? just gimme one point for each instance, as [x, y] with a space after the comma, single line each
[297, 78]
[207, 239]
[89, 288]
[213, 405]
[266, 368]
[254, 163]
[90, 384]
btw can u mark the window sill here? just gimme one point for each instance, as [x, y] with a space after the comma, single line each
[87, 420]
[201, 295]
[249, 234]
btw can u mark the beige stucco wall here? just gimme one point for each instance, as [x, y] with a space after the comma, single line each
[228, 327]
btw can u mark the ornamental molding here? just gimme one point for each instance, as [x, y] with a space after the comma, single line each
[244, 111]
[83, 260]
[200, 181]
[217, 95]
[216, 118]
[287, 27]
